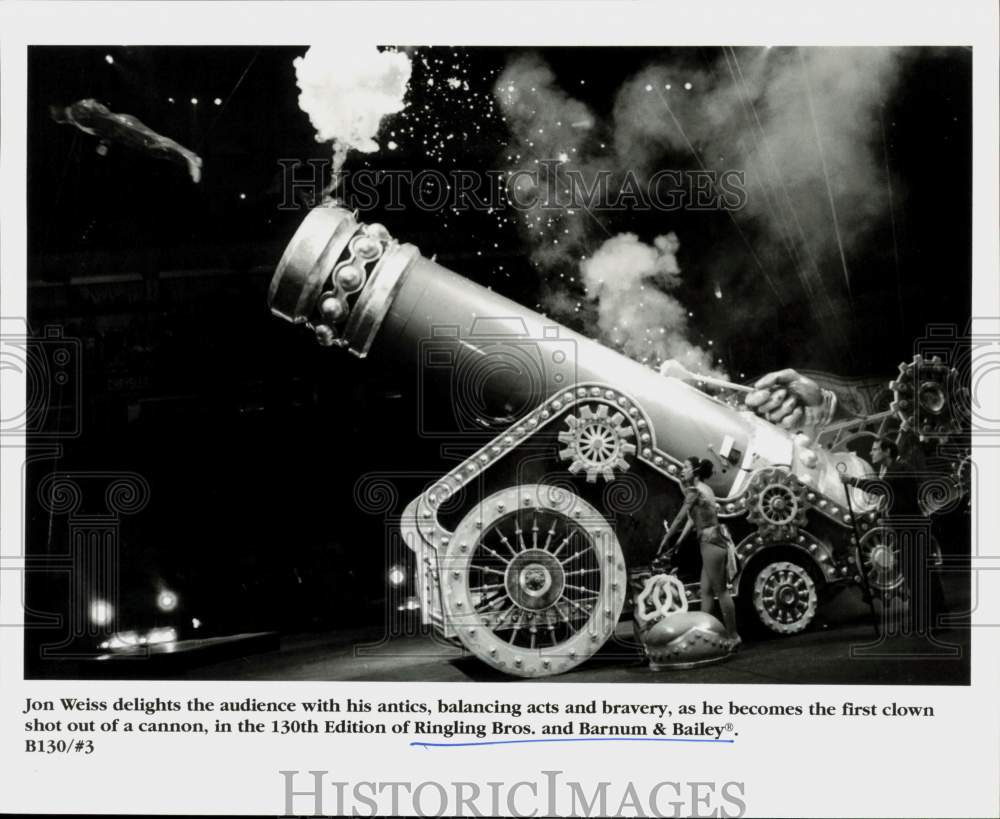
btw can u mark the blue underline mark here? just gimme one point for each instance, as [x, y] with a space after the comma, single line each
[567, 739]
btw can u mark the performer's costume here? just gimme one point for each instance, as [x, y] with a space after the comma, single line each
[95, 119]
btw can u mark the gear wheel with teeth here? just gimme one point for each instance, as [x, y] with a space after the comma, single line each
[596, 443]
[776, 500]
[928, 397]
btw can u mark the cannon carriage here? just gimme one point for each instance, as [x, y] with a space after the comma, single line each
[527, 551]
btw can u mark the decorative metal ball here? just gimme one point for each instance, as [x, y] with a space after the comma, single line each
[378, 232]
[350, 277]
[332, 309]
[367, 248]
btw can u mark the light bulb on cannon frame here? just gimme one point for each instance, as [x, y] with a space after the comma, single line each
[574, 411]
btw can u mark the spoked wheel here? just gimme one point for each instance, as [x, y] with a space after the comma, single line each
[784, 597]
[534, 580]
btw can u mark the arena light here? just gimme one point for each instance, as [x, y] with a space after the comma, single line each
[161, 635]
[194, 100]
[109, 59]
[101, 612]
[166, 600]
[396, 576]
[217, 101]
[122, 639]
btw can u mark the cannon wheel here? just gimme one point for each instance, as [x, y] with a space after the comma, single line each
[533, 580]
[783, 594]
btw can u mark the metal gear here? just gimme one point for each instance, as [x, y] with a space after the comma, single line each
[785, 597]
[928, 398]
[776, 503]
[597, 444]
[879, 559]
[961, 473]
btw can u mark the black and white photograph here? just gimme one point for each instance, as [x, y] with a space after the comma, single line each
[474, 408]
[461, 363]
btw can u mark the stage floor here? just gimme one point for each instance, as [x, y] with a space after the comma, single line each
[821, 655]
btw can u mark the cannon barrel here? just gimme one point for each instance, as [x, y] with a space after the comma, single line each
[358, 288]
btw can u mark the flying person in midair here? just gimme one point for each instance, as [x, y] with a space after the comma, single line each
[95, 119]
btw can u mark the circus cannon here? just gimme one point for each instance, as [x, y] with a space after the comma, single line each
[526, 551]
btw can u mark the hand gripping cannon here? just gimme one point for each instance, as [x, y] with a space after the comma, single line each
[525, 550]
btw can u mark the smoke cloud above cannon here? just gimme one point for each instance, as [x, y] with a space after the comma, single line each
[805, 128]
[346, 89]
[626, 281]
[803, 124]
[629, 282]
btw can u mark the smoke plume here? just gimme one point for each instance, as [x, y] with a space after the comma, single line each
[629, 281]
[803, 125]
[626, 283]
[346, 89]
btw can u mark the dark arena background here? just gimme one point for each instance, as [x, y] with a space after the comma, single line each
[212, 494]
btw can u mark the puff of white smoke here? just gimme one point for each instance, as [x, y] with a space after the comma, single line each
[628, 282]
[803, 127]
[347, 89]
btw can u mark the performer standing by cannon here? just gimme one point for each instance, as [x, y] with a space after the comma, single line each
[907, 534]
[701, 512]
